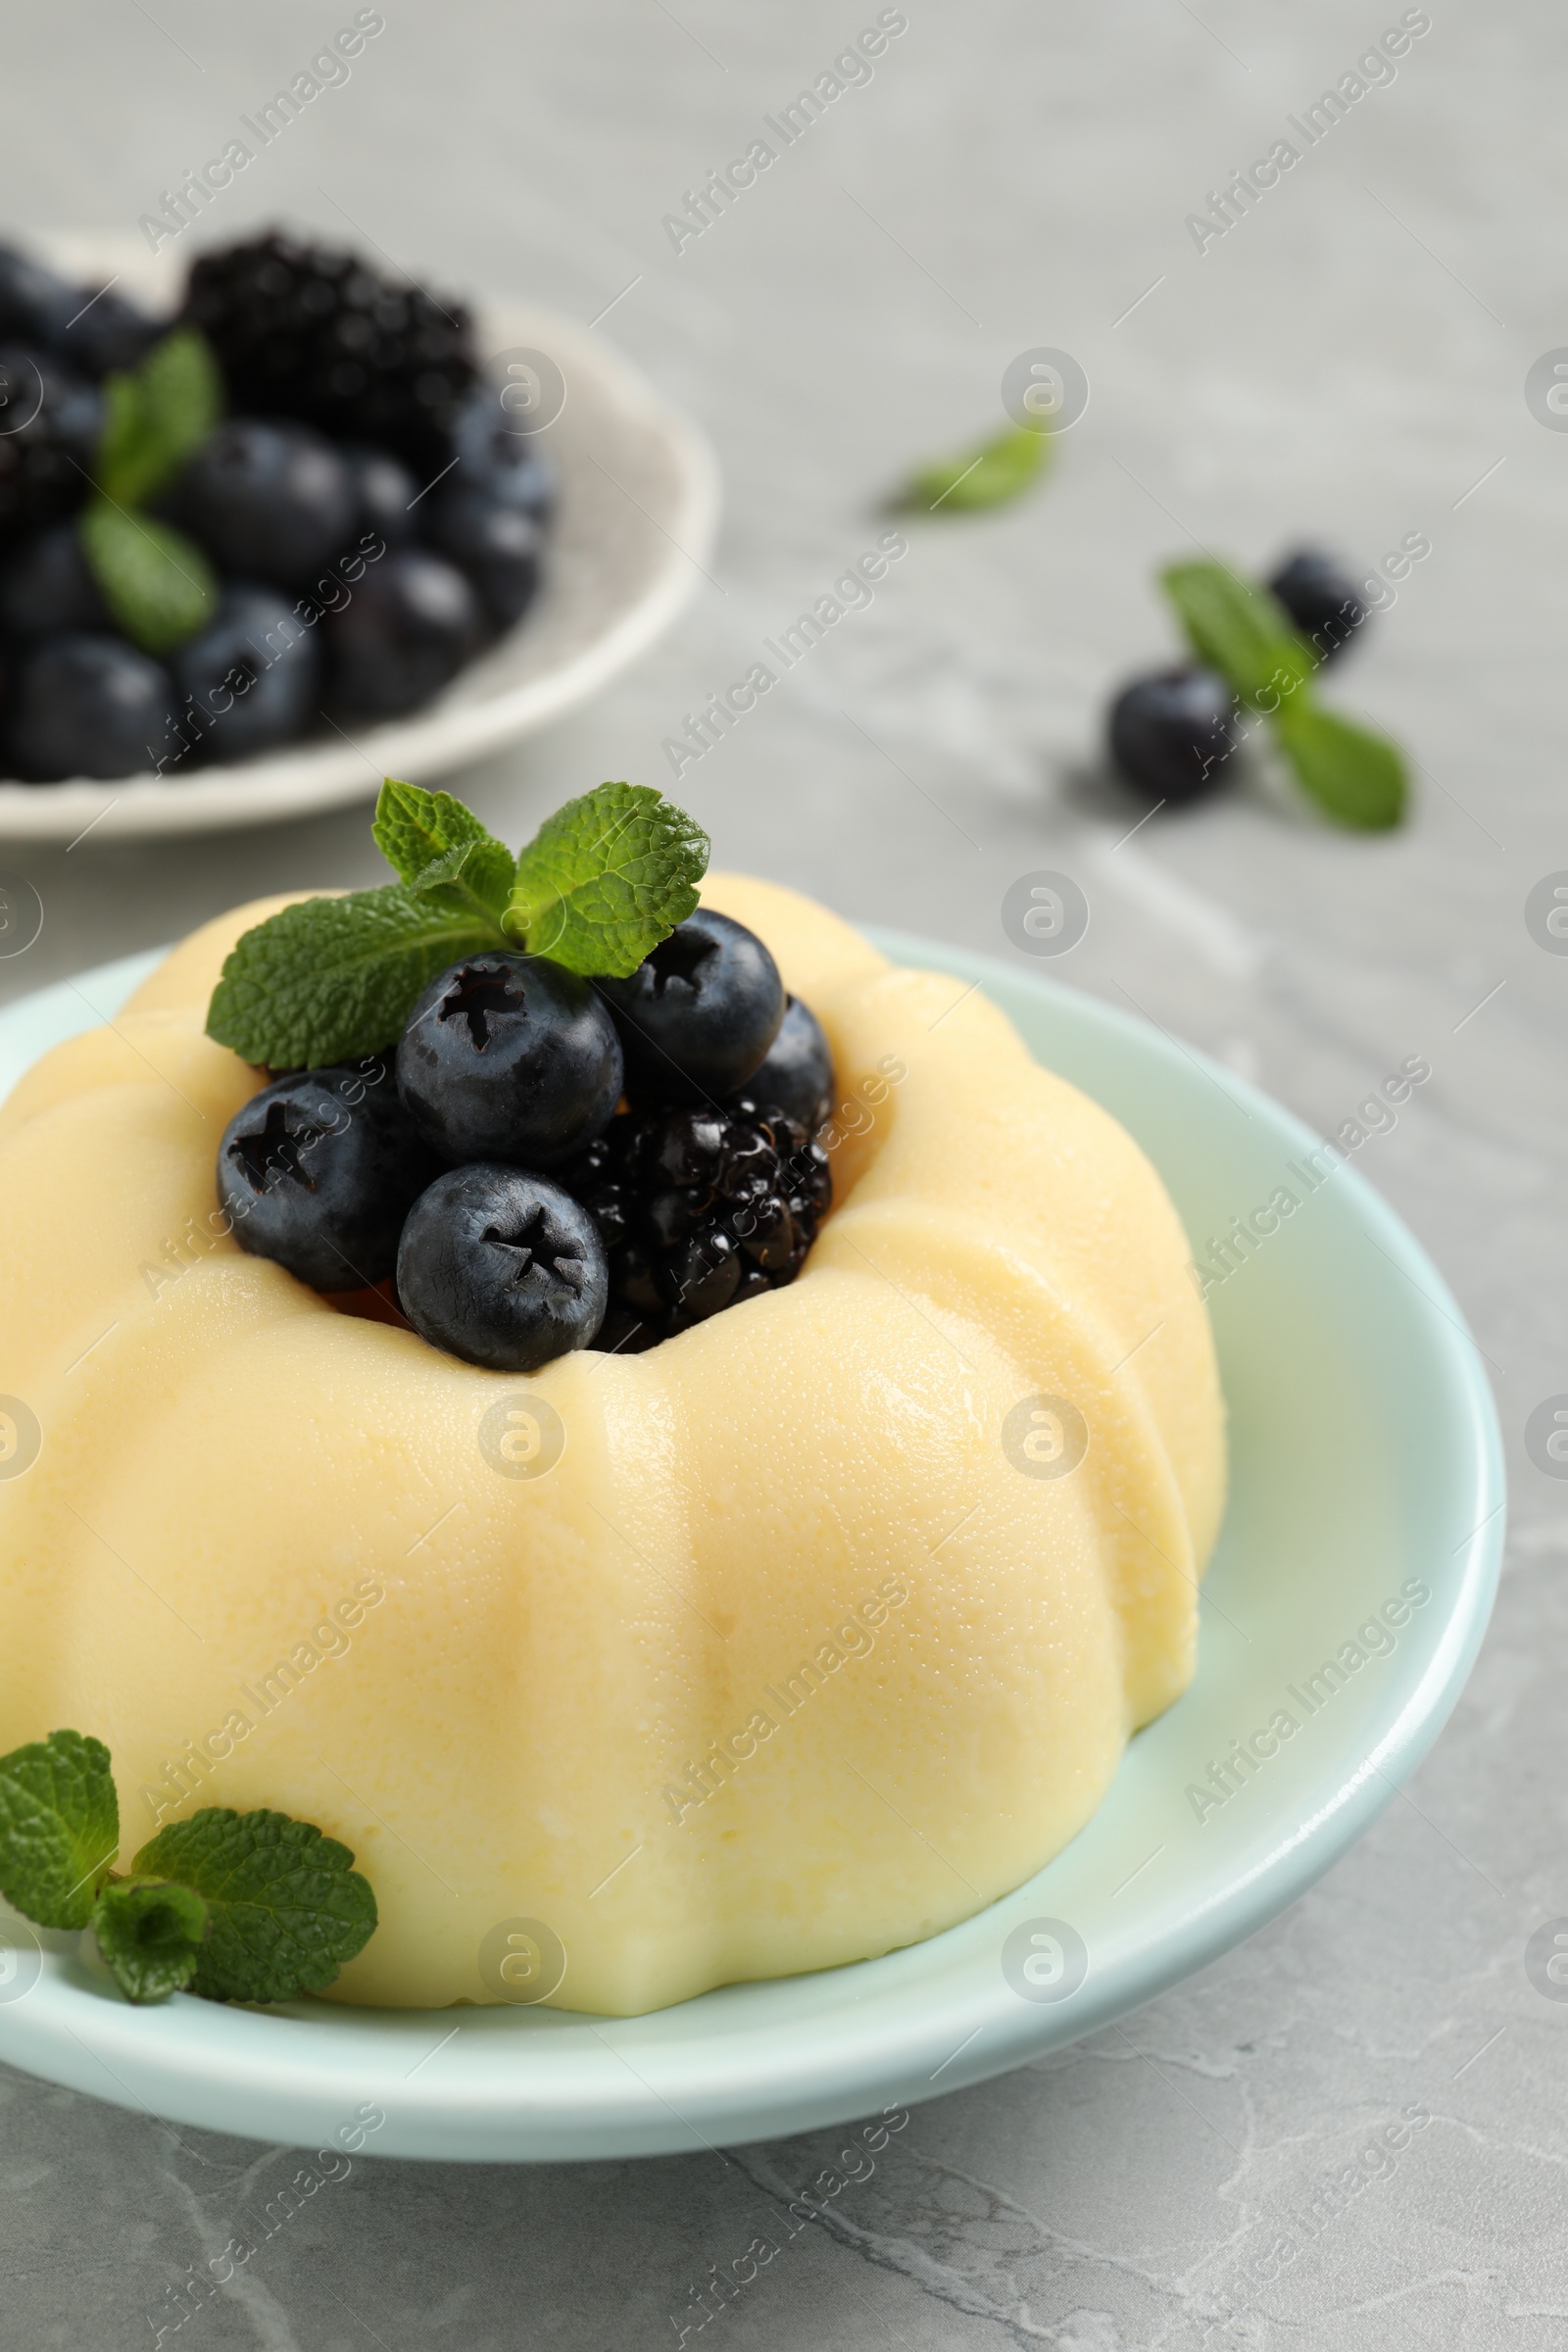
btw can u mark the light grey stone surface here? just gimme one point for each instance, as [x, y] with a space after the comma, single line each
[1347, 364]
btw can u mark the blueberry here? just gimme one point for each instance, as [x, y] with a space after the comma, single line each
[318, 1172]
[50, 421]
[796, 1074]
[45, 586]
[502, 1269]
[253, 673]
[34, 302]
[386, 492]
[86, 706]
[499, 546]
[1172, 733]
[699, 1015]
[509, 1057]
[267, 502]
[411, 624]
[1321, 599]
[492, 457]
[108, 332]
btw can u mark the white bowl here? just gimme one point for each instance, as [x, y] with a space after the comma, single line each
[635, 524]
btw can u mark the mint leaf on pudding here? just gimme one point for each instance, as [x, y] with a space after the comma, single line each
[335, 979]
[607, 878]
[475, 877]
[967, 483]
[58, 1828]
[1243, 632]
[156, 414]
[414, 829]
[285, 1907]
[1354, 775]
[157, 583]
[150, 1932]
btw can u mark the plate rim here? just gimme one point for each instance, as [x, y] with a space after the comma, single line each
[195, 2059]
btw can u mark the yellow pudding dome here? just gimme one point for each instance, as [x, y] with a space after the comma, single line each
[797, 1639]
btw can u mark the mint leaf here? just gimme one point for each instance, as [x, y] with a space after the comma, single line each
[286, 1907]
[1352, 775]
[156, 414]
[605, 879]
[475, 877]
[413, 829]
[58, 1828]
[151, 1934]
[336, 979]
[988, 477]
[156, 582]
[1243, 632]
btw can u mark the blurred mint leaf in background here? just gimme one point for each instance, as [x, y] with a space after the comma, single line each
[156, 582]
[1242, 631]
[155, 416]
[1354, 775]
[977, 478]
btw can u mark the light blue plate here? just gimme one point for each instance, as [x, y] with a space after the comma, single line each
[1365, 1461]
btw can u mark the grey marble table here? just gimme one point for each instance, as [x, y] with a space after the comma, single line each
[1347, 362]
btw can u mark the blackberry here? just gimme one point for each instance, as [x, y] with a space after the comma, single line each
[311, 332]
[698, 1210]
[49, 421]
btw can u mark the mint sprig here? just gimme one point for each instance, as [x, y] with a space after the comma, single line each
[58, 1828]
[331, 980]
[157, 583]
[972, 481]
[1354, 776]
[285, 1907]
[239, 1906]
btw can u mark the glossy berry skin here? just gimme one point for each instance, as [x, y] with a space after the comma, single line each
[253, 675]
[34, 302]
[92, 331]
[1324, 603]
[697, 1015]
[45, 586]
[408, 626]
[81, 704]
[510, 466]
[796, 1074]
[502, 1268]
[273, 503]
[1172, 733]
[318, 1172]
[498, 546]
[50, 420]
[698, 1210]
[508, 1057]
[386, 492]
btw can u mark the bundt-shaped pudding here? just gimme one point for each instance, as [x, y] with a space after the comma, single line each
[792, 1638]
